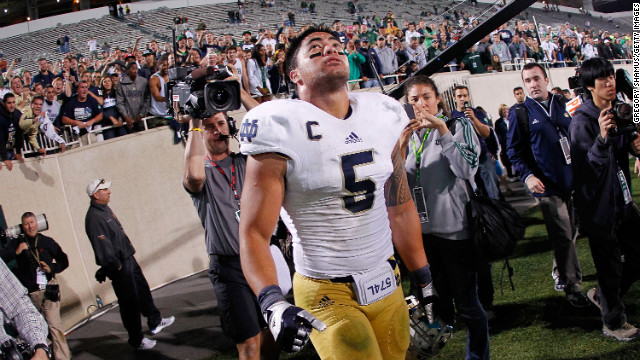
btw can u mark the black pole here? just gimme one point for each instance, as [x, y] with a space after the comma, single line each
[486, 27]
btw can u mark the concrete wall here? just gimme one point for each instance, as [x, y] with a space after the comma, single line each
[147, 196]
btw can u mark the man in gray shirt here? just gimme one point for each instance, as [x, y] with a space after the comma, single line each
[388, 60]
[500, 48]
[214, 176]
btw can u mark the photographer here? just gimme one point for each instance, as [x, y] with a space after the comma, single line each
[608, 216]
[213, 176]
[39, 259]
[16, 308]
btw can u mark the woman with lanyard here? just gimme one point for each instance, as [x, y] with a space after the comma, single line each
[258, 69]
[442, 155]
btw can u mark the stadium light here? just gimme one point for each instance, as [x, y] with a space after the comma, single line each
[6, 10]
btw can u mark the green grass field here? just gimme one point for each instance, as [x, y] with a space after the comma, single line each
[535, 321]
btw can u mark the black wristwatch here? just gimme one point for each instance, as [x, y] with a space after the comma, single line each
[43, 347]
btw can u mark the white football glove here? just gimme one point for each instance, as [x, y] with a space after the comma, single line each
[291, 325]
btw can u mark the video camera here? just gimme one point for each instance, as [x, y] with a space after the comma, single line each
[14, 232]
[622, 111]
[202, 92]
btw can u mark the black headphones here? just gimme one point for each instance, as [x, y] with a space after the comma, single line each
[233, 130]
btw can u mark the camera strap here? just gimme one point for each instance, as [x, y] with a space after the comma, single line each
[232, 182]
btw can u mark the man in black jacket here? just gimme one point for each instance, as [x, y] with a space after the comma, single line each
[114, 253]
[11, 135]
[608, 216]
[39, 259]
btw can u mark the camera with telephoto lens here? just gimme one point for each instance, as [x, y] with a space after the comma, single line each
[203, 92]
[14, 232]
[623, 115]
[623, 112]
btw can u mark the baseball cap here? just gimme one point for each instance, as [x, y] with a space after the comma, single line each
[180, 37]
[129, 56]
[147, 52]
[381, 38]
[97, 184]
[246, 32]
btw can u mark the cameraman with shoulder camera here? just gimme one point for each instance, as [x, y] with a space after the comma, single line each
[39, 259]
[600, 159]
[16, 308]
[213, 176]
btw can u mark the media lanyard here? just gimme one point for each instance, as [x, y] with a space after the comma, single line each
[419, 153]
[232, 183]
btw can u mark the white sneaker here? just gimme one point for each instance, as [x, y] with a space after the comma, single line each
[146, 344]
[163, 324]
[627, 332]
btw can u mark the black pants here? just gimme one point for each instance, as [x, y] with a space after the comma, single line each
[454, 271]
[506, 162]
[615, 277]
[134, 298]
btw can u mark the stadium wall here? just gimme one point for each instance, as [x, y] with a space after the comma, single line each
[148, 197]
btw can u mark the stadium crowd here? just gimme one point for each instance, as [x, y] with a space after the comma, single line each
[121, 91]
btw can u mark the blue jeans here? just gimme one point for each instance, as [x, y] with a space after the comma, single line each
[369, 83]
[487, 171]
[453, 267]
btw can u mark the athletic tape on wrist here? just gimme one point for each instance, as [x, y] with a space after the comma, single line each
[423, 275]
[269, 296]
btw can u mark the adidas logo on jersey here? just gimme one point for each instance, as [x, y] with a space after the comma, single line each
[352, 139]
[325, 301]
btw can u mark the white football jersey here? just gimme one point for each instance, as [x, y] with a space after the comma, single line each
[335, 178]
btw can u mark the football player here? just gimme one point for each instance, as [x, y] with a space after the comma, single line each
[331, 160]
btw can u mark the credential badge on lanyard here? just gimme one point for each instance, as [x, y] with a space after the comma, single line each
[566, 149]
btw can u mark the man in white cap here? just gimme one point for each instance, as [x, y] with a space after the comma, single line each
[114, 253]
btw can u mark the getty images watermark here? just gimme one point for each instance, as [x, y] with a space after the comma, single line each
[636, 62]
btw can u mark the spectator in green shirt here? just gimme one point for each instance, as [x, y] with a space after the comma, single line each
[472, 62]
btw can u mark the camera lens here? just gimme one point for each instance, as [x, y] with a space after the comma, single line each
[623, 111]
[220, 97]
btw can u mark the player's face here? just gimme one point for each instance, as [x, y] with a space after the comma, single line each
[321, 60]
[30, 226]
[605, 88]
[213, 127]
[536, 83]
[424, 96]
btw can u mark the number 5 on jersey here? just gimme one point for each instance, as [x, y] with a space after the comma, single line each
[362, 190]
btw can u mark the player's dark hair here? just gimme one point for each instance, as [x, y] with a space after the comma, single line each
[517, 88]
[594, 68]
[290, 62]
